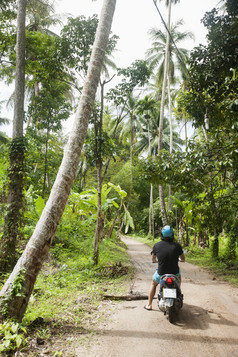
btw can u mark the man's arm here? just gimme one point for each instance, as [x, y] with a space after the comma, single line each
[182, 258]
[154, 258]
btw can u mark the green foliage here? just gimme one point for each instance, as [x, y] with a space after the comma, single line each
[16, 290]
[11, 336]
[76, 41]
[232, 8]
[49, 108]
[70, 274]
[47, 112]
[140, 197]
[85, 203]
[34, 207]
[135, 75]
[177, 57]
[128, 220]
[7, 7]
[222, 267]
[122, 176]
[43, 63]
[35, 159]
[231, 251]
[3, 167]
[8, 38]
[40, 205]
[106, 144]
[16, 287]
[213, 90]
[118, 189]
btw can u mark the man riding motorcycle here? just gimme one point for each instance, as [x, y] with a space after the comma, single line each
[167, 253]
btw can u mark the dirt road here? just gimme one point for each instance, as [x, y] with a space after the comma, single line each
[207, 324]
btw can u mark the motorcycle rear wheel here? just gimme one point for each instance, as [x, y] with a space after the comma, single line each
[171, 314]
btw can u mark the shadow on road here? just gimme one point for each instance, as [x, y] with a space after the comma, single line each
[195, 317]
[171, 336]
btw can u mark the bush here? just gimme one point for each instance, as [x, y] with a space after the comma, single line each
[11, 336]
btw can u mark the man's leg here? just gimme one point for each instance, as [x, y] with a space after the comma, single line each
[151, 295]
[179, 276]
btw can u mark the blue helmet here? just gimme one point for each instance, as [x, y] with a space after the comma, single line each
[167, 232]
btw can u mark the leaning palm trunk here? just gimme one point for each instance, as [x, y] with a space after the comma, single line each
[30, 263]
[160, 142]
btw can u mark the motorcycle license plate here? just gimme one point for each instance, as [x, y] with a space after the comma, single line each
[169, 293]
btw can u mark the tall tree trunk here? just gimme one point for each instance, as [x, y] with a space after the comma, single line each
[216, 223]
[99, 222]
[15, 201]
[98, 142]
[131, 164]
[162, 206]
[161, 122]
[30, 263]
[165, 75]
[185, 122]
[232, 240]
[46, 163]
[151, 214]
[110, 230]
[185, 131]
[131, 150]
[170, 136]
[151, 206]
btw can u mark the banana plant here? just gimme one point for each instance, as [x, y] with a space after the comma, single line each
[85, 204]
[128, 220]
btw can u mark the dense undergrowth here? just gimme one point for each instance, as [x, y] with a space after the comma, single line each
[222, 267]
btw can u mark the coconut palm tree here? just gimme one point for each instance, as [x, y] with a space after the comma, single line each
[166, 71]
[146, 144]
[160, 128]
[41, 16]
[178, 56]
[128, 128]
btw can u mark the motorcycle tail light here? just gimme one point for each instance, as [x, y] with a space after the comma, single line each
[169, 281]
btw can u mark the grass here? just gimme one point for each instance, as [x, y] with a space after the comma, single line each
[225, 269]
[67, 301]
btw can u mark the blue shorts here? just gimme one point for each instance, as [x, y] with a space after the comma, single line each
[156, 276]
